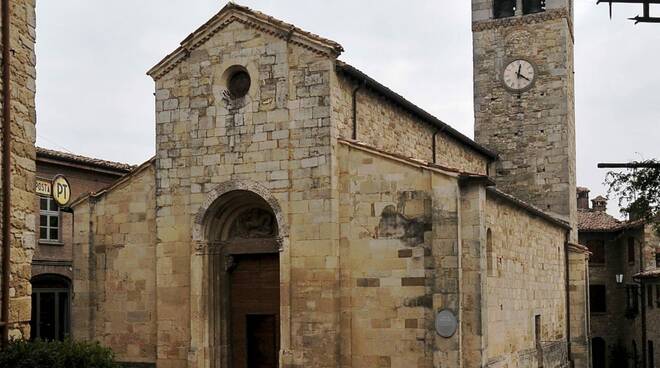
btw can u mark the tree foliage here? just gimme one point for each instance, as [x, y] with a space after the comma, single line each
[638, 190]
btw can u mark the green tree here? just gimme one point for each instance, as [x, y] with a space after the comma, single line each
[638, 189]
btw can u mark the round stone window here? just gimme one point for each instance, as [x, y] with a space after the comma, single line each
[239, 84]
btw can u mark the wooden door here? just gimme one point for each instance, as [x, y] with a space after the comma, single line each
[255, 311]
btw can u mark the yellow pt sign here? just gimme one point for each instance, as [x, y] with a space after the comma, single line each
[61, 191]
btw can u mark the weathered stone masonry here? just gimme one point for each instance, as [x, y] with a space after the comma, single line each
[23, 76]
[373, 238]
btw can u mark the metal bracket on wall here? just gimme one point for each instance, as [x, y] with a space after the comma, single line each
[645, 18]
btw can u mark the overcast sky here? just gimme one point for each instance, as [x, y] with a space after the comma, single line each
[94, 98]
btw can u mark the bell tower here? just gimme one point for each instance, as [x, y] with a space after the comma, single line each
[524, 98]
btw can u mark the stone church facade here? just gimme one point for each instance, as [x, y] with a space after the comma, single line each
[300, 214]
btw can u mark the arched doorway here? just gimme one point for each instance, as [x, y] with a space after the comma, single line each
[51, 306]
[243, 244]
[598, 352]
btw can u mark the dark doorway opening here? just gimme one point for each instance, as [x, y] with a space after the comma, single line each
[651, 354]
[598, 352]
[50, 307]
[255, 311]
[261, 340]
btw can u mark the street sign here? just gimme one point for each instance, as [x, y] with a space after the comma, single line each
[61, 190]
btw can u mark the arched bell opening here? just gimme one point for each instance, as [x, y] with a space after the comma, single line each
[242, 249]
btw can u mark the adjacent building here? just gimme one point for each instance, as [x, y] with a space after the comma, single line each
[298, 213]
[52, 263]
[624, 286]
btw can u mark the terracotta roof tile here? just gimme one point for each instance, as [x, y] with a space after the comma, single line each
[70, 157]
[597, 221]
[652, 274]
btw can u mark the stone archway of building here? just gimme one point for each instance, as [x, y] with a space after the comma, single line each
[240, 253]
[598, 352]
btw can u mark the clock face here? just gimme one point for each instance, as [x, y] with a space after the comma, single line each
[519, 75]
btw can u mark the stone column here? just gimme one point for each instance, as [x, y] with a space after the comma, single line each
[473, 271]
[446, 250]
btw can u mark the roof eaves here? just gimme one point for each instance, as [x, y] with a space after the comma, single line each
[255, 19]
[112, 186]
[646, 275]
[83, 162]
[528, 207]
[450, 171]
[412, 108]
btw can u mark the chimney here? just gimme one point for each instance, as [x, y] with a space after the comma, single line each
[583, 198]
[599, 204]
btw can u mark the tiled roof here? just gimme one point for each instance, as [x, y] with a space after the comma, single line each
[652, 274]
[87, 161]
[597, 221]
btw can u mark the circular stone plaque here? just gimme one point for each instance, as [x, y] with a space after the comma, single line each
[446, 323]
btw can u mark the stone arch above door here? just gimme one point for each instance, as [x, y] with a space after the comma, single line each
[211, 203]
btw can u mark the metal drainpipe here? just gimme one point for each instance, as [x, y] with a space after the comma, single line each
[355, 91]
[568, 298]
[6, 169]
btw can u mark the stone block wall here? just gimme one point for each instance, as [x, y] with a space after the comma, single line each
[526, 278]
[276, 138]
[114, 288]
[23, 85]
[388, 127]
[386, 259]
[579, 309]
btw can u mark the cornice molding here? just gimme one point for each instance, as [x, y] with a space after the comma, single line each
[514, 21]
[270, 26]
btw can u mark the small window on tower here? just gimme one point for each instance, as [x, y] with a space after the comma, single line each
[533, 6]
[504, 8]
[597, 298]
[631, 250]
[649, 296]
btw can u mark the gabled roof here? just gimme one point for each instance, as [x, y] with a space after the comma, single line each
[82, 162]
[233, 12]
[527, 207]
[597, 221]
[136, 170]
[399, 100]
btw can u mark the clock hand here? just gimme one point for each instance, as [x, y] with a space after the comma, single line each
[522, 76]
